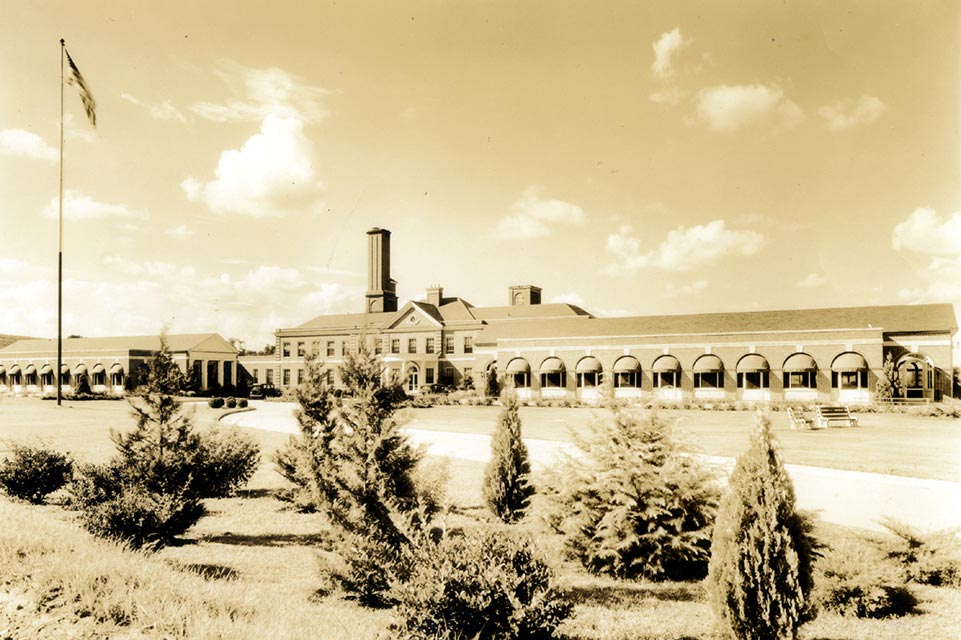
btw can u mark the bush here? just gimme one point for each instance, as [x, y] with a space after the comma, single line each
[507, 487]
[32, 473]
[479, 586]
[230, 403]
[633, 505]
[933, 559]
[215, 403]
[761, 558]
[227, 460]
[242, 403]
[855, 580]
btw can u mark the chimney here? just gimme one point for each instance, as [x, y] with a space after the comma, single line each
[435, 295]
[524, 294]
[381, 289]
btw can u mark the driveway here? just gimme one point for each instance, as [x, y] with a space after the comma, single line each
[850, 498]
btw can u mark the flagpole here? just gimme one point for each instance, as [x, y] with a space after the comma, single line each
[60, 249]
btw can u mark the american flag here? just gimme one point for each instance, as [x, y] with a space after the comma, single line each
[86, 97]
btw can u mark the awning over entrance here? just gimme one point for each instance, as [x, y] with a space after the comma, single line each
[752, 362]
[666, 363]
[552, 365]
[518, 365]
[849, 362]
[589, 364]
[799, 362]
[626, 364]
[708, 364]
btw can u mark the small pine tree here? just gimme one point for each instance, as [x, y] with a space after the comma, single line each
[492, 389]
[633, 505]
[760, 576]
[507, 487]
[889, 382]
[362, 470]
[83, 385]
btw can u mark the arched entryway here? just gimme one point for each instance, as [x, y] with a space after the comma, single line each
[918, 376]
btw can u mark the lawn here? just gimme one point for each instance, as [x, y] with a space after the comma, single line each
[252, 567]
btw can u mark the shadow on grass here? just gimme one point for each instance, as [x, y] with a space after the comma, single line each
[623, 596]
[256, 493]
[210, 571]
[320, 540]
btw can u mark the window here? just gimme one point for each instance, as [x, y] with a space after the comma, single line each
[286, 382]
[665, 379]
[446, 373]
[256, 376]
[851, 379]
[286, 350]
[331, 348]
[301, 351]
[913, 376]
[411, 345]
[329, 377]
[270, 376]
[589, 379]
[752, 380]
[800, 379]
[300, 376]
[314, 347]
[554, 380]
[468, 372]
[395, 345]
[625, 380]
[709, 380]
[449, 344]
[378, 346]
[468, 344]
[429, 346]
[429, 375]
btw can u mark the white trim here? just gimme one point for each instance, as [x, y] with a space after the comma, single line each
[920, 343]
[665, 349]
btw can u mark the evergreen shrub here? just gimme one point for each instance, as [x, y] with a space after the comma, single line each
[33, 472]
[230, 403]
[933, 559]
[633, 504]
[507, 489]
[856, 580]
[761, 558]
[215, 403]
[482, 585]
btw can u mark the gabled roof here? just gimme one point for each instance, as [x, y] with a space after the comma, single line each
[892, 319]
[175, 342]
[529, 311]
[345, 321]
[457, 310]
[422, 309]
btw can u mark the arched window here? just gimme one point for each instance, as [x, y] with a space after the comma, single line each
[666, 371]
[800, 372]
[518, 372]
[116, 375]
[46, 376]
[753, 372]
[849, 372]
[627, 373]
[553, 374]
[588, 372]
[99, 377]
[708, 372]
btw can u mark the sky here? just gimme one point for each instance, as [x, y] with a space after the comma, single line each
[631, 158]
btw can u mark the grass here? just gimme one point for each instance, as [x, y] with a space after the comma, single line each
[253, 569]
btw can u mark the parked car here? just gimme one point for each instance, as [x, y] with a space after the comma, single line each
[260, 391]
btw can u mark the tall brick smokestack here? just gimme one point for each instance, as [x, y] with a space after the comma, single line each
[381, 289]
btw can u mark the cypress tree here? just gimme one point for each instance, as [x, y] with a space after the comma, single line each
[507, 489]
[760, 578]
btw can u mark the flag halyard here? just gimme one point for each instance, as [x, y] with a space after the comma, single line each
[74, 78]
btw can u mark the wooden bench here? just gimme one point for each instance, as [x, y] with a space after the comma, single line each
[798, 419]
[834, 415]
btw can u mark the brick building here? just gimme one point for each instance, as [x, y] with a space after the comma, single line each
[563, 351]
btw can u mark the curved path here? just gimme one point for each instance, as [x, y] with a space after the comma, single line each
[850, 498]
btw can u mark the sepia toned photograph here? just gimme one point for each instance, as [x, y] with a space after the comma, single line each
[480, 320]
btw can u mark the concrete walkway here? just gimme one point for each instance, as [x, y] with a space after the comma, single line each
[850, 498]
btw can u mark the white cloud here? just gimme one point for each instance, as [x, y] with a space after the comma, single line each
[79, 206]
[666, 48]
[688, 289]
[727, 108]
[24, 144]
[270, 175]
[925, 232]
[844, 114]
[684, 249]
[811, 281]
[265, 92]
[74, 131]
[568, 298]
[534, 217]
[180, 232]
[163, 111]
[942, 282]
